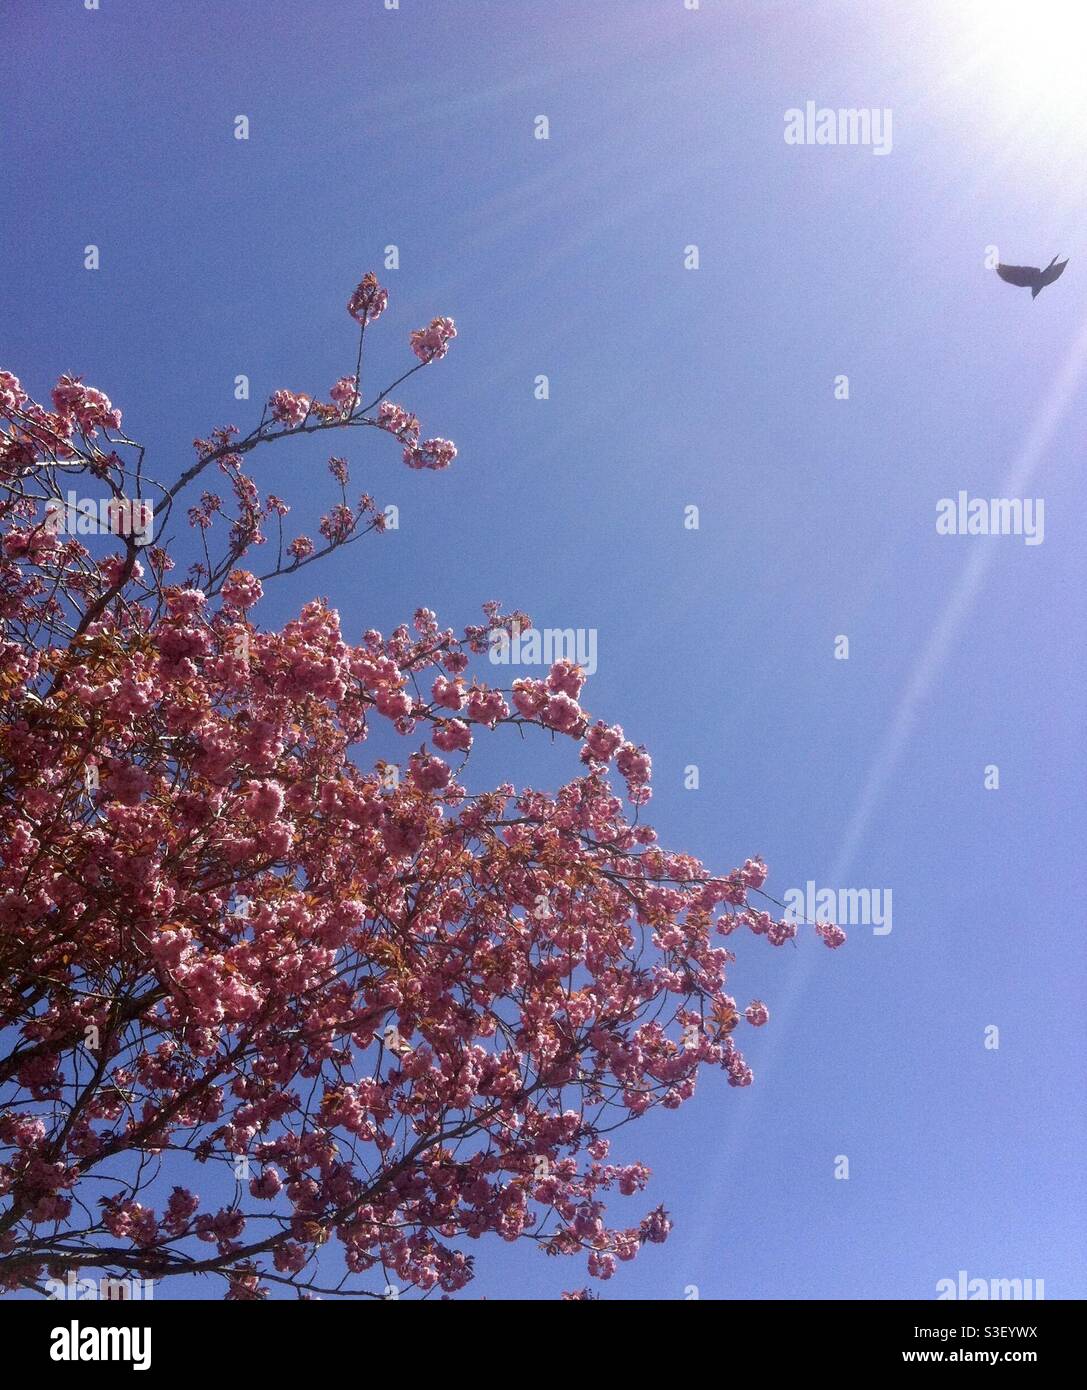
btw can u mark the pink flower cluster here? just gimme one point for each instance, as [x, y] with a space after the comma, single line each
[431, 343]
[12, 394]
[289, 407]
[344, 394]
[89, 408]
[431, 453]
[398, 421]
[369, 300]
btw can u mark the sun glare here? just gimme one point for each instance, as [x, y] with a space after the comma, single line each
[1034, 54]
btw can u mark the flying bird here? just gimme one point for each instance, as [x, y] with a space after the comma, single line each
[1030, 275]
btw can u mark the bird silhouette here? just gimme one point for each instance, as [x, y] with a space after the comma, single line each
[1030, 276]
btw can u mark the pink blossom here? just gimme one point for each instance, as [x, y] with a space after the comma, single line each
[449, 694]
[344, 394]
[487, 706]
[289, 407]
[88, 407]
[369, 300]
[398, 421]
[431, 343]
[429, 774]
[431, 453]
[452, 735]
[566, 678]
[12, 394]
[268, 1185]
[242, 590]
[265, 802]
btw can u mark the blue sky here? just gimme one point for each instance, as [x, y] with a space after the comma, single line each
[668, 388]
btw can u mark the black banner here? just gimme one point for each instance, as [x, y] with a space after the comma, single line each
[74, 1338]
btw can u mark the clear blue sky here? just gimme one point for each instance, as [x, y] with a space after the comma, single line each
[672, 387]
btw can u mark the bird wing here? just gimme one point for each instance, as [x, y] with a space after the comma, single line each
[1053, 272]
[1019, 274]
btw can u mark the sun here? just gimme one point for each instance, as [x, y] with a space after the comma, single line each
[1030, 53]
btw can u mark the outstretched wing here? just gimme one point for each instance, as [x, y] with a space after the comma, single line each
[1053, 272]
[1019, 274]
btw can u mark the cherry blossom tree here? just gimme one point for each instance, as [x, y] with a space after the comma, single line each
[273, 1014]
